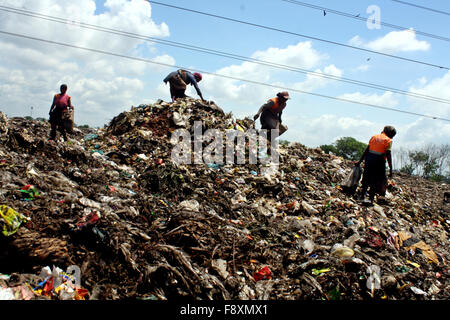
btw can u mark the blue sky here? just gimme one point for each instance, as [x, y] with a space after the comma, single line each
[103, 86]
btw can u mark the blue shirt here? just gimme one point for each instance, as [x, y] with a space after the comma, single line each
[190, 79]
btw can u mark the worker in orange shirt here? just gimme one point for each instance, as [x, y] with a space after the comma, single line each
[271, 113]
[375, 156]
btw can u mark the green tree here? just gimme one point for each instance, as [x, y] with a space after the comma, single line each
[327, 148]
[430, 169]
[431, 161]
[419, 159]
[408, 169]
[349, 148]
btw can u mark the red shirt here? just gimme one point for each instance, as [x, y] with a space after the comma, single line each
[62, 101]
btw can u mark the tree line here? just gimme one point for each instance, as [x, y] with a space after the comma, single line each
[430, 161]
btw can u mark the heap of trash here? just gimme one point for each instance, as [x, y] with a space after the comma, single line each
[109, 215]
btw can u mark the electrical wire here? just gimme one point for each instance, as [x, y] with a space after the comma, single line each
[219, 75]
[421, 7]
[219, 53]
[297, 34]
[357, 17]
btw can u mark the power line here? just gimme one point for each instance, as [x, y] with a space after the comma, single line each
[357, 17]
[219, 75]
[297, 34]
[328, 10]
[421, 7]
[219, 53]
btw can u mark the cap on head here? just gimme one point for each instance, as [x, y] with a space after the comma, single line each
[198, 76]
[390, 131]
[283, 94]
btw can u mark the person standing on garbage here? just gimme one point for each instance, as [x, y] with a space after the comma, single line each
[178, 81]
[61, 103]
[271, 113]
[375, 155]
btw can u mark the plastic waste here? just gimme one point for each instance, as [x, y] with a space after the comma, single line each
[418, 291]
[263, 274]
[89, 203]
[30, 192]
[10, 220]
[310, 209]
[320, 271]
[220, 266]
[88, 220]
[308, 245]
[379, 210]
[214, 165]
[374, 280]
[352, 179]
[342, 251]
[7, 294]
[90, 136]
[190, 205]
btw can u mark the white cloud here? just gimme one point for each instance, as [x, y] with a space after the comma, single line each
[423, 132]
[387, 99]
[327, 128]
[101, 86]
[439, 87]
[301, 55]
[395, 41]
[314, 82]
[363, 68]
[423, 81]
[356, 41]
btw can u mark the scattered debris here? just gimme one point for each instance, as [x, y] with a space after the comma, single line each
[141, 226]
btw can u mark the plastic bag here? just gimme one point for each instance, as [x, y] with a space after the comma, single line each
[374, 280]
[10, 220]
[263, 274]
[67, 119]
[282, 129]
[352, 180]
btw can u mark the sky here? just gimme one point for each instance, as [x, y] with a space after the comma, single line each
[102, 86]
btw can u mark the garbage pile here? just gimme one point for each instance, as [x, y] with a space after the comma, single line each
[112, 203]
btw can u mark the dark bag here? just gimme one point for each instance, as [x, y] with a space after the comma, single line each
[282, 129]
[67, 119]
[177, 83]
[352, 179]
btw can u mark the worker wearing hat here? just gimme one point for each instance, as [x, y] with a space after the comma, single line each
[375, 156]
[271, 112]
[178, 81]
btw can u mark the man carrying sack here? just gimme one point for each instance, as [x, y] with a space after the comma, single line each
[178, 81]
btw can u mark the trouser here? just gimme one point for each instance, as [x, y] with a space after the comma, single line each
[56, 122]
[176, 93]
[270, 143]
[374, 176]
